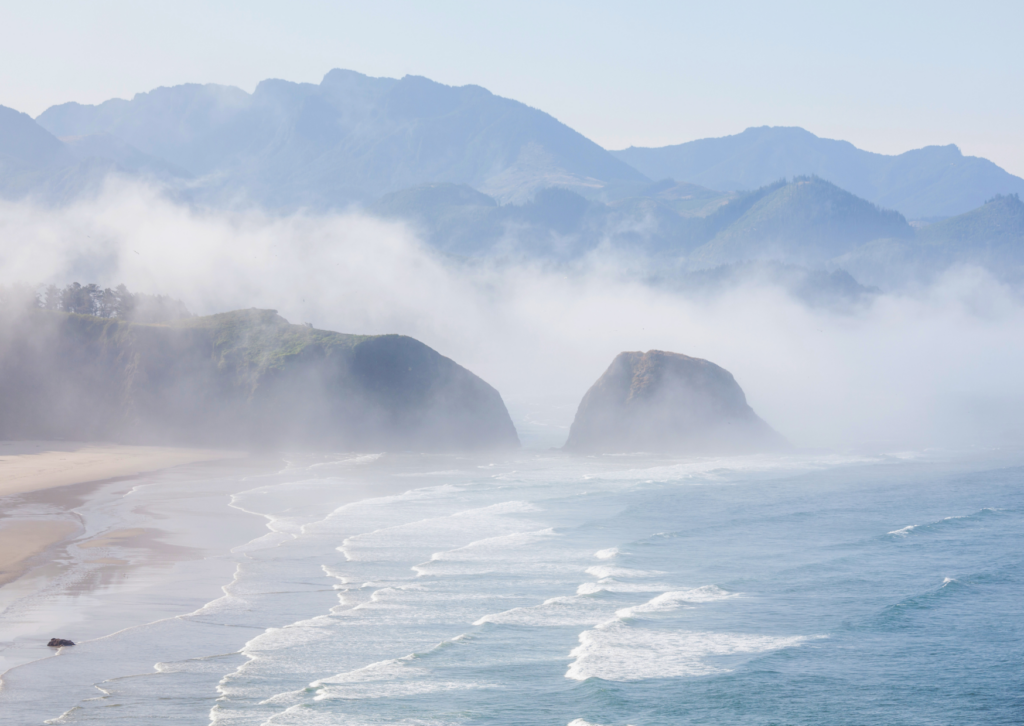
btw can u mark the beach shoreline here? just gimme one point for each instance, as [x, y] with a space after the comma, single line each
[34, 465]
[84, 560]
[31, 466]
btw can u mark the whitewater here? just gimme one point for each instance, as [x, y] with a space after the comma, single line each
[541, 588]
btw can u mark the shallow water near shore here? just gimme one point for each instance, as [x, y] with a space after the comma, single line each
[538, 588]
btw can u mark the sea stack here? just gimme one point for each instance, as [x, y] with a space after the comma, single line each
[666, 402]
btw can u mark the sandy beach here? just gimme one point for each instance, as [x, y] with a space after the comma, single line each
[30, 466]
[33, 466]
[96, 538]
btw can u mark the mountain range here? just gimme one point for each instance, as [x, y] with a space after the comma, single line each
[353, 138]
[350, 138]
[478, 174]
[926, 183]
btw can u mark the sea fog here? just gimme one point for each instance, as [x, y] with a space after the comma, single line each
[926, 365]
[872, 575]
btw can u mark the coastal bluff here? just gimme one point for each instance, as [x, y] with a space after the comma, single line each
[246, 378]
[667, 402]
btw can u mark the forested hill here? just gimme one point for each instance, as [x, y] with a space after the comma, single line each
[246, 378]
[806, 221]
[990, 237]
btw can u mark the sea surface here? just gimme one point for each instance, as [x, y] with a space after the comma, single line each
[541, 588]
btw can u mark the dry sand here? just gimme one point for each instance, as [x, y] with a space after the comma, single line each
[31, 466]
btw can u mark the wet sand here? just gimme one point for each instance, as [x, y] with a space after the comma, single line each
[95, 558]
[22, 540]
[28, 467]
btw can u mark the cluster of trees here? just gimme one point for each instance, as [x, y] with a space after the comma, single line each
[91, 299]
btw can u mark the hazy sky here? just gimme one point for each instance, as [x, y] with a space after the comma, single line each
[888, 76]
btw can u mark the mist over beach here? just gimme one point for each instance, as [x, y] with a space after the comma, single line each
[394, 365]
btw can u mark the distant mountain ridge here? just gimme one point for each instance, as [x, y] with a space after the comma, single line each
[935, 181]
[480, 175]
[353, 138]
[349, 139]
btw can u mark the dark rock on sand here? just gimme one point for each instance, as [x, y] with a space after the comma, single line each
[667, 402]
[59, 642]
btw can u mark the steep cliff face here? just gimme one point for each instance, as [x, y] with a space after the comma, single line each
[245, 378]
[667, 402]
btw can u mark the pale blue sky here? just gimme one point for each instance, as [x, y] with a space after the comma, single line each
[888, 76]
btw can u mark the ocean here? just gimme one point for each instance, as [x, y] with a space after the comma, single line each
[541, 588]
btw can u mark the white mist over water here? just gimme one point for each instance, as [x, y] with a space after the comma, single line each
[936, 366]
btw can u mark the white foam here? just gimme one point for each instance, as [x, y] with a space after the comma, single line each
[357, 459]
[396, 677]
[504, 553]
[591, 588]
[453, 531]
[615, 651]
[903, 532]
[606, 555]
[557, 611]
[490, 547]
[605, 571]
[64, 717]
[674, 600]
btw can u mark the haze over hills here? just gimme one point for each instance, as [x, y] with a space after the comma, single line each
[991, 237]
[243, 378]
[353, 138]
[483, 176]
[28, 154]
[807, 221]
[350, 138]
[935, 181]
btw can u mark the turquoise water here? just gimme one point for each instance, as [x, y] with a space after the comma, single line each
[545, 589]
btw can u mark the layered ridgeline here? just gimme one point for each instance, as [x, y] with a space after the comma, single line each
[355, 138]
[801, 233]
[806, 217]
[349, 138]
[935, 181]
[480, 175]
[991, 237]
[667, 402]
[244, 378]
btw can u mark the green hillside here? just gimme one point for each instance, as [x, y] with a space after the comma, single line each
[991, 236]
[997, 226]
[244, 378]
[806, 221]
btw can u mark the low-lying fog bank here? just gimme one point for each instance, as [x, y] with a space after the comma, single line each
[938, 365]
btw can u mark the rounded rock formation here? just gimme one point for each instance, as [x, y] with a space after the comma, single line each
[666, 402]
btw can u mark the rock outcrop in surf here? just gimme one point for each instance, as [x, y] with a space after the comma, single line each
[666, 402]
[246, 378]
